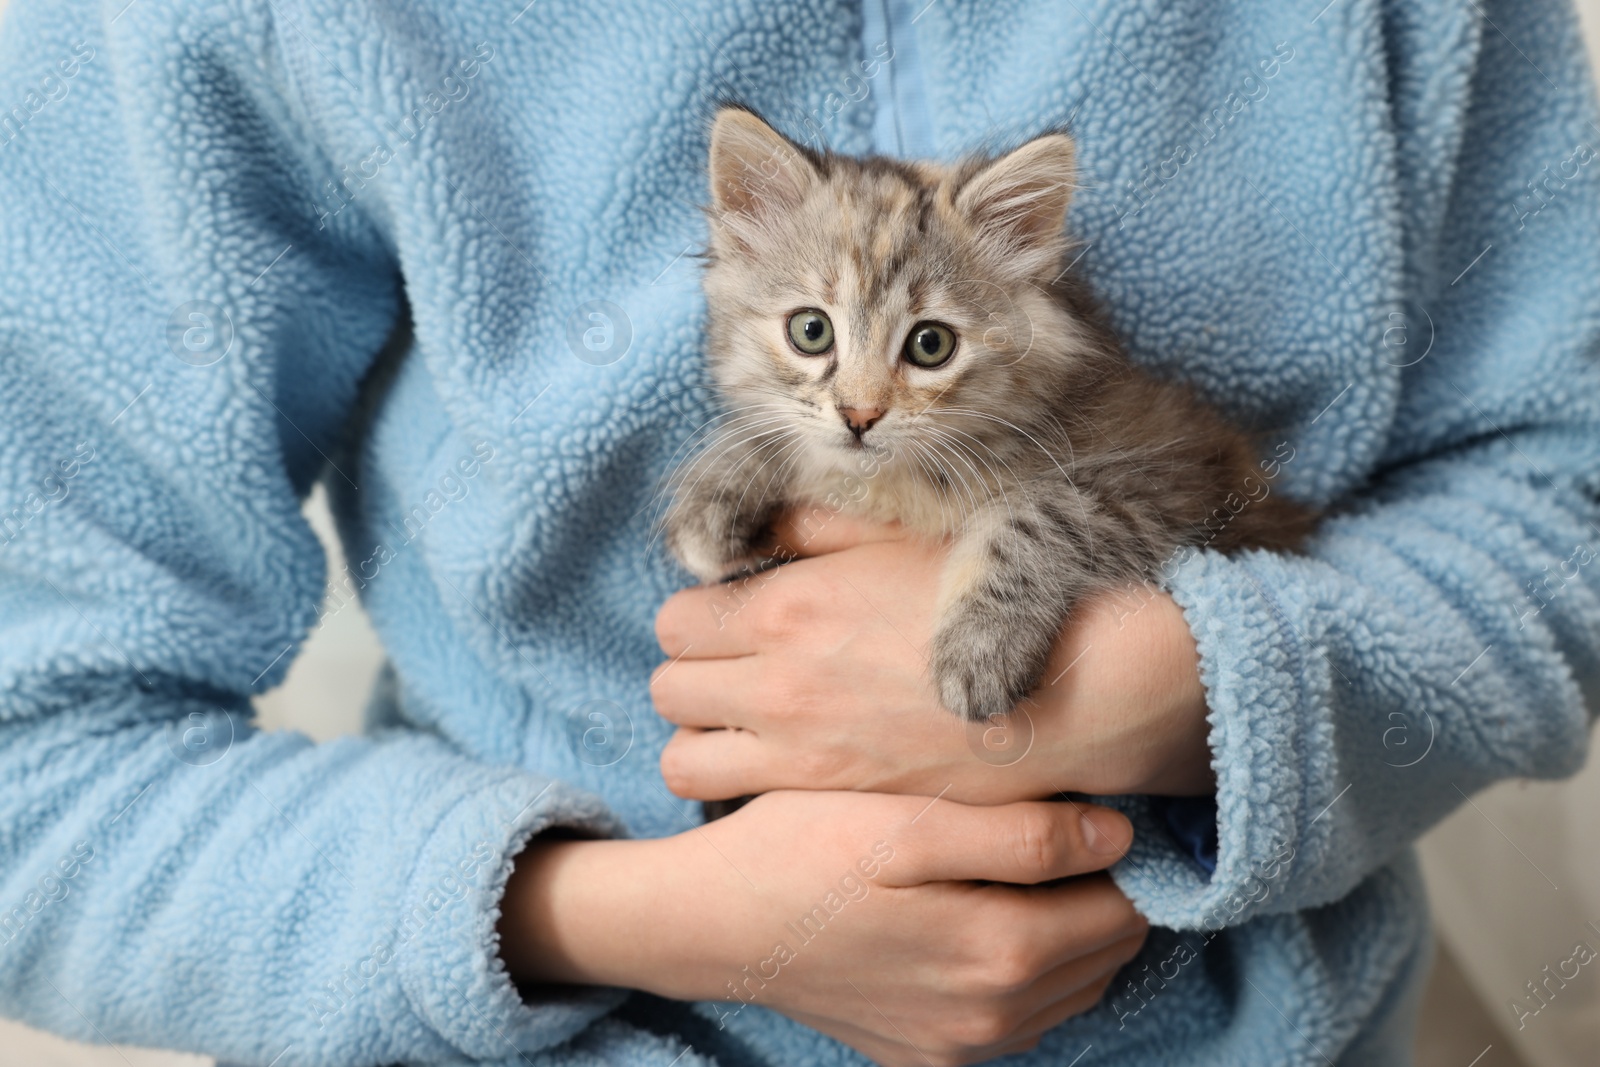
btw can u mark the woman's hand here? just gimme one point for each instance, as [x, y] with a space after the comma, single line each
[814, 676]
[879, 920]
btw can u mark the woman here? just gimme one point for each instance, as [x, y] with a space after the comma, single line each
[1371, 228]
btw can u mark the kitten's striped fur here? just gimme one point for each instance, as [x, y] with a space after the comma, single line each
[1056, 466]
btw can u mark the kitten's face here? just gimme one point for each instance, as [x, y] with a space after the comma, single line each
[902, 307]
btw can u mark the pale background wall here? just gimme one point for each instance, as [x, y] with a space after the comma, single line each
[1514, 876]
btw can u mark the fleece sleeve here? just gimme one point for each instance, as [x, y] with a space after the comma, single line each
[1441, 630]
[182, 335]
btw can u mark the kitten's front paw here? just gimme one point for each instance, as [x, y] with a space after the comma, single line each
[983, 667]
[706, 554]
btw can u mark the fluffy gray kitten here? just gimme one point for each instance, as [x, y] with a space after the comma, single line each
[901, 341]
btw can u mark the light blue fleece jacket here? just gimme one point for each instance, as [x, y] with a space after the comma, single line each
[1369, 226]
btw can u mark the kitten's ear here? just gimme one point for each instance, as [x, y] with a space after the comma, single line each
[755, 170]
[1024, 194]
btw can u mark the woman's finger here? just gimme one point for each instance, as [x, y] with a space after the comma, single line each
[1083, 916]
[1069, 1006]
[1025, 844]
[715, 764]
[1058, 995]
[1073, 986]
[707, 693]
[816, 531]
[710, 621]
[1068, 991]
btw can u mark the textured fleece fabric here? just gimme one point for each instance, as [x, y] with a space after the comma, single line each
[1371, 230]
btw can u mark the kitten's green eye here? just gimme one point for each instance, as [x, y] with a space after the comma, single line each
[810, 331]
[930, 344]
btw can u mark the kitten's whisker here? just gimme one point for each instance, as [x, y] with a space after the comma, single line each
[995, 481]
[988, 495]
[940, 445]
[916, 450]
[705, 462]
[724, 426]
[704, 469]
[960, 479]
[787, 447]
[1078, 498]
[694, 471]
[946, 432]
[726, 418]
[680, 472]
[1013, 481]
[966, 500]
[726, 412]
[786, 441]
[722, 421]
[1011, 425]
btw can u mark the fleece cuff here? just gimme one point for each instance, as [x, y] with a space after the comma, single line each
[452, 973]
[1252, 667]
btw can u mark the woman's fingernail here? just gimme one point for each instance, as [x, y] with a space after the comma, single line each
[1106, 832]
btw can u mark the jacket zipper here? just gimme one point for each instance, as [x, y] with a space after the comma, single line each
[901, 123]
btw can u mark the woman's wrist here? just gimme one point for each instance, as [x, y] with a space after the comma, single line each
[576, 912]
[1184, 768]
[1123, 709]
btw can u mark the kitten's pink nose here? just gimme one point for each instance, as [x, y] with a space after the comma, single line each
[860, 420]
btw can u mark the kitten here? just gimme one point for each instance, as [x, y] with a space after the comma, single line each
[902, 339]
